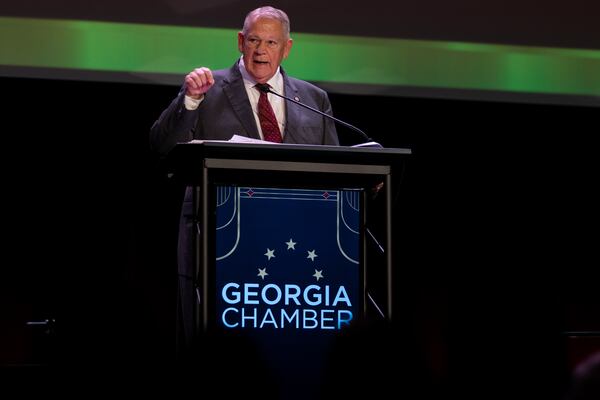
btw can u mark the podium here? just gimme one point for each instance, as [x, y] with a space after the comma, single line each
[209, 166]
[282, 252]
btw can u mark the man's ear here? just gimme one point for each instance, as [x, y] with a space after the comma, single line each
[288, 47]
[241, 42]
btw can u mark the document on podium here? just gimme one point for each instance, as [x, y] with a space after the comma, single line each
[245, 139]
[234, 139]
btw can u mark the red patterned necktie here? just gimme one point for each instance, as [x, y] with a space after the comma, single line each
[268, 122]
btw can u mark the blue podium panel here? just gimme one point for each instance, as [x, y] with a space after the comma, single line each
[287, 258]
[288, 274]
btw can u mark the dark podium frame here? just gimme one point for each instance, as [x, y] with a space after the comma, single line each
[204, 164]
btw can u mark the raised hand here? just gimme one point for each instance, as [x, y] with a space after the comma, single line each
[198, 82]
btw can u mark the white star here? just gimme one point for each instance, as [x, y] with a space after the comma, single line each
[318, 275]
[270, 253]
[291, 244]
[262, 272]
[312, 254]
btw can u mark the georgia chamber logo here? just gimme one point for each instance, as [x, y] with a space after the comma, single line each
[292, 294]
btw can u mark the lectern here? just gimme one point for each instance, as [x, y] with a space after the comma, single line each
[280, 245]
[210, 166]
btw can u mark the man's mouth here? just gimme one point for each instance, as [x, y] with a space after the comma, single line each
[260, 62]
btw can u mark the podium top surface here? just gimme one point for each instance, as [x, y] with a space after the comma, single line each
[286, 152]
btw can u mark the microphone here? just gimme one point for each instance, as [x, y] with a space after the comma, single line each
[263, 87]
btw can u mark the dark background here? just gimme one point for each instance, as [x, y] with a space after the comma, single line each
[496, 231]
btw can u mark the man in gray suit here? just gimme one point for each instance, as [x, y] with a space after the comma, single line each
[215, 105]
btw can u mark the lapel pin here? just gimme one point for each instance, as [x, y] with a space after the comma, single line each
[297, 98]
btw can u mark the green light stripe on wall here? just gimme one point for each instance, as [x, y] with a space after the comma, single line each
[112, 46]
[138, 48]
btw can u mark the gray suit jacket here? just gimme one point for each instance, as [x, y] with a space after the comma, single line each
[226, 111]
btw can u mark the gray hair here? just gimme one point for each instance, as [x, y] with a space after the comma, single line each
[267, 12]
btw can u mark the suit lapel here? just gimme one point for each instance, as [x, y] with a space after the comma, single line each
[292, 113]
[234, 89]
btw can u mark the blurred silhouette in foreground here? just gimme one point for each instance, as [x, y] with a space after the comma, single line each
[585, 382]
[381, 360]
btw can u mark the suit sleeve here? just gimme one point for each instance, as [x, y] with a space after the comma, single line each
[330, 136]
[175, 125]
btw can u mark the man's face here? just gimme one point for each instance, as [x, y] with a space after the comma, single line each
[264, 47]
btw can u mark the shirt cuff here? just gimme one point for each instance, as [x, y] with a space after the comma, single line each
[192, 104]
